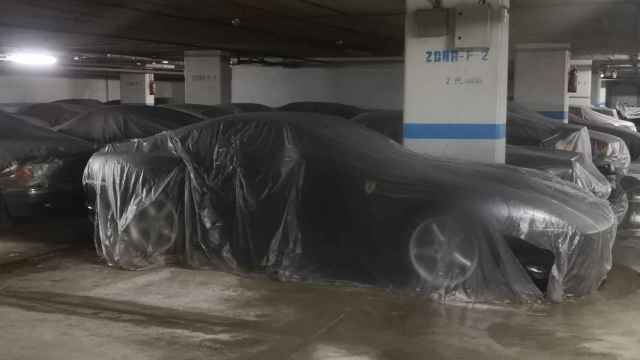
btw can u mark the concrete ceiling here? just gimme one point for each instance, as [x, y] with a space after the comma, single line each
[291, 28]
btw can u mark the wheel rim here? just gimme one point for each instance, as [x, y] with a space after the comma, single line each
[442, 252]
[151, 232]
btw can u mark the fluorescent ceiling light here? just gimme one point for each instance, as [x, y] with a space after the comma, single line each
[32, 58]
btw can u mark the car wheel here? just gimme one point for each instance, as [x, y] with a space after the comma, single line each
[149, 235]
[443, 251]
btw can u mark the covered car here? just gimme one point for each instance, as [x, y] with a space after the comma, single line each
[528, 128]
[573, 167]
[585, 115]
[121, 122]
[214, 111]
[325, 108]
[631, 138]
[628, 112]
[386, 122]
[40, 170]
[308, 197]
[54, 114]
[90, 103]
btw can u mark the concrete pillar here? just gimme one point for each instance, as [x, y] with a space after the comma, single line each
[596, 87]
[207, 77]
[456, 60]
[582, 95]
[541, 75]
[136, 89]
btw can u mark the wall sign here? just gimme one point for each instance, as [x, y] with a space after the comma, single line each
[454, 55]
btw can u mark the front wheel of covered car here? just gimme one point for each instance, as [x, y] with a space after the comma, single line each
[443, 251]
[149, 236]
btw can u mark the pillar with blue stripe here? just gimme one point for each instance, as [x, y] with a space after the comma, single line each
[455, 96]
[541, 79]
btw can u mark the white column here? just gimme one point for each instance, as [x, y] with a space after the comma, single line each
[582, 95]
[596, 87]
[137, 89]
[207, 78]
[541, 78]
[456, 61]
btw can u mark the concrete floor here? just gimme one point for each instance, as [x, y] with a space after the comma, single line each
[58, 301]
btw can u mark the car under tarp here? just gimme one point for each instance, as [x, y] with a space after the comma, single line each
[307, 197]
[122, 122]
[20, 141]
[55, 114]
[585, 115]
[324, 108]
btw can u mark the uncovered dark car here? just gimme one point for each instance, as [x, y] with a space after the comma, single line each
[40, 170]
[313, 197]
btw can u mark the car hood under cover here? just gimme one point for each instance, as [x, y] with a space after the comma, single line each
[241, 179]
[21, 141]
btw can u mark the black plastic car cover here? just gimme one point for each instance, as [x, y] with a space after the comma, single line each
[194, 109]
[385, 122]
[325, 108]
[54, 114]
[20, 141]
[567, 165]
[81, 102]
[117, 123]
[308, 197]
[214, 111]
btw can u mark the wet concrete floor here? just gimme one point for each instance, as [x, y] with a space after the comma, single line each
[59, 301]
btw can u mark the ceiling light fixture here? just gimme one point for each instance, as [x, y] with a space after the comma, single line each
[32, 58]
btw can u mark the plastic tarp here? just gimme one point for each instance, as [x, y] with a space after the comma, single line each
[630, 138]
[626, 250]
[199, 110]
[54, 114]
[325, 108]
[525, 127]
[36, 163]
[610, 150]
[386, 122]
[585, 115]
[21, 141]
[89, 103]
[214, 111]
[307, 197]
[629, 112]
[570, 166]
[123, 122]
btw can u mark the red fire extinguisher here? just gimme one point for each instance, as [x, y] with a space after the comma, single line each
[152, 87]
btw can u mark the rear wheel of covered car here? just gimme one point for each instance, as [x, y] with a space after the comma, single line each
[150, 235]
[443, 251]
[5, 218]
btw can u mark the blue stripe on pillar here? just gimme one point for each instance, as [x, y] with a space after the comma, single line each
[454, 131]
[558, 115]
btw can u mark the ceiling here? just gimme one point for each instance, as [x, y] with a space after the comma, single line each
[289, 28]
[296, 28]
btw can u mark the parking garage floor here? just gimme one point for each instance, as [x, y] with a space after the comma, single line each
[59, 301]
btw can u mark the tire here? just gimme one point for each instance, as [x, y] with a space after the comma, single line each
[443, 251]
[149, 237]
